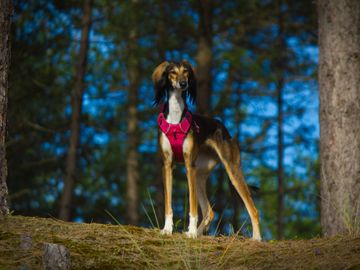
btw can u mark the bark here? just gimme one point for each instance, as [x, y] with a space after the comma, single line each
[280, 162]
[339, 86]
[204, 57]
[161, 48]
[56, 257]
[132, 165]
[5, 22]
[26, 242]
[76, 104]
[280, 122]
[161, 42]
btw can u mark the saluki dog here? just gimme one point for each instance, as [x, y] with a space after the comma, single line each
[197, 141]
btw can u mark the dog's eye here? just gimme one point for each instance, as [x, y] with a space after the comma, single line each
[173, 72]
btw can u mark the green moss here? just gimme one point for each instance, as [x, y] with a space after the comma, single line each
[99, 246]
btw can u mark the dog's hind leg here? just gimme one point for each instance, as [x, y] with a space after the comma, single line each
[206, 209]
[204, 166]
[229, 154]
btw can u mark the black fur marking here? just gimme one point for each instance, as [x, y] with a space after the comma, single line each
[192, 88]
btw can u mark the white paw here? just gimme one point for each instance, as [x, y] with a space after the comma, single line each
[256, 237]
[191, 234]
[166, 231]
[168, 227]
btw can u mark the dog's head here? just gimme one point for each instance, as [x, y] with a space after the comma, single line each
[169, 76]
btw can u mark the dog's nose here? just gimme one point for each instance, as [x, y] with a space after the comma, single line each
[183, 84]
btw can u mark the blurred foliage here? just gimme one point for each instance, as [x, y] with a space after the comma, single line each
[45, 40]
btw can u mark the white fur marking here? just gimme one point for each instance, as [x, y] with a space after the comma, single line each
[168, 227]
[192, 232]
[256, 236]
[176, 107]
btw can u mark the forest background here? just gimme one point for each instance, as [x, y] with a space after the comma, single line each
[256, 63]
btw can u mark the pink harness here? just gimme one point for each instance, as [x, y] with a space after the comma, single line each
[176, 133]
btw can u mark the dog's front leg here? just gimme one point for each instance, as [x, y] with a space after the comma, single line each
[193, 215]
[167, 175]
[189, 156]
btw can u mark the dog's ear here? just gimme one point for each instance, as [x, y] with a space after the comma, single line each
[191, 92]
[160, 80]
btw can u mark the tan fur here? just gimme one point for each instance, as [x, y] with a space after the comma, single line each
[229, 154]
[167, 174]
[159, 71]
[190, 153]
[177, 74]
[204, 165]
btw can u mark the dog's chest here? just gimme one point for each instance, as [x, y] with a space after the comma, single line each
[176, 108]
[173, 137]
[175, 150]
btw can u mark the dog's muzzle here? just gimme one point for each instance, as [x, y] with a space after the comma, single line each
[183, 84]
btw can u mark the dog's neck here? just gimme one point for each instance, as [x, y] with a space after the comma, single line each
[176, 106]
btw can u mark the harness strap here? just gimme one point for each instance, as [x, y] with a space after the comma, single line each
[176, 133]
[184, 125]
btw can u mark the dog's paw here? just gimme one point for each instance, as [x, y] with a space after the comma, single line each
[191, 234]
[192, 230]
[166, 231]
[256, 237]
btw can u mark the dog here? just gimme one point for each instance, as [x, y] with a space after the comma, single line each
[197, 141]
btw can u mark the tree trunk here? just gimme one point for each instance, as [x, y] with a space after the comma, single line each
[132, 165]
[339, 85]
[5, 22]
[56, 257]
[280, 66]
[161, 48]
[161, 41]
[204, 57]
[280, 161]
[76, 103]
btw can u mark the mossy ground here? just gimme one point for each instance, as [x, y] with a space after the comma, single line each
[99, 246]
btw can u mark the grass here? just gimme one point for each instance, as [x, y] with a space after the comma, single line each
[99, 246]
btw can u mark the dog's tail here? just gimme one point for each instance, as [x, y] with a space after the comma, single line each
[228, 151]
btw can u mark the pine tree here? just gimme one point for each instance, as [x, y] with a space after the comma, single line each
[132, 164]
[339, 82]
[5, 22]
[76, 104]
[204, 57]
